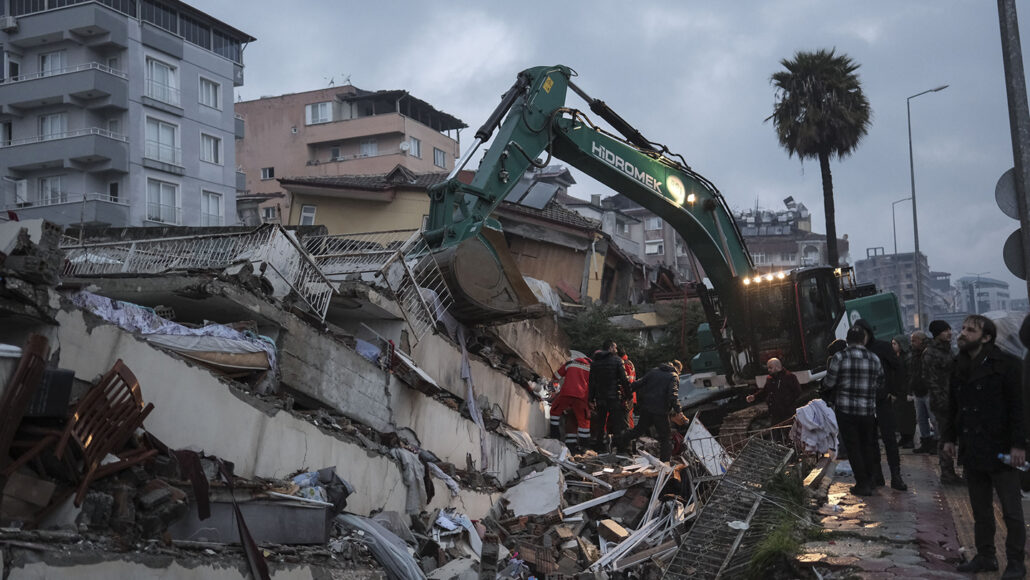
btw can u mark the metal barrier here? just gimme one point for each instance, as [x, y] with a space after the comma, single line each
[399, 259]
[272, 251]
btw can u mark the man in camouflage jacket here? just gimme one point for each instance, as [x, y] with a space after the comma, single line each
[938, 363]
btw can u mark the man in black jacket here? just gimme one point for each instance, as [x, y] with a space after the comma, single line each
[657, 398]
[986, 419]
[608, 394]
[885, 406]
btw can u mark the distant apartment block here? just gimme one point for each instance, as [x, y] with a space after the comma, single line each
[783, 239]
[980, 294]
[897, 273]
[118, 112]
[338, 131]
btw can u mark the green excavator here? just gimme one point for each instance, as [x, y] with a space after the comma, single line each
[790, 315]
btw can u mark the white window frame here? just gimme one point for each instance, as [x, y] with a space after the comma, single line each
[318, 113]
[155, 146]
[165, 90]
[415, 147]
[53, 126]
[369, 147]
[210, 93]
[207, 218]
[269, 213]
[157, 210]
[307, 218]
[210, 149]
[654, 248]
[267, 173]
[653, 224]
[52, 63]
[439, 158]
[50, 190]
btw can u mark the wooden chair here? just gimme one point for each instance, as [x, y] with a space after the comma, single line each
[103, 422]
[17, 397]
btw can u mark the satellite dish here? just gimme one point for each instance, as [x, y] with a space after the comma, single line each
[405, 146]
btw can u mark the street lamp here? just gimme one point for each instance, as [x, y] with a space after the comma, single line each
[894, 222]
[915, 220]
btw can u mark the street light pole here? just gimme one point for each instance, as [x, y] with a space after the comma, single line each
[894, 222]
[915, 218]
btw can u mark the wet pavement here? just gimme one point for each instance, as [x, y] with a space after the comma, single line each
[893, 534]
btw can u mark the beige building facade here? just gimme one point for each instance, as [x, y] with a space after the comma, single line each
[338, 131]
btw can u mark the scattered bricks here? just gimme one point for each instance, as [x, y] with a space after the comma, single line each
[564, 533]
[123, 517]
[628, 508]
[488, 560]
[154, 498]
[611, 531]
[516, 525]
[541, 559]
[589, 551]
[96, 510]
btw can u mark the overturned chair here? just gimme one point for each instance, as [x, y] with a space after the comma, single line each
[101, 424]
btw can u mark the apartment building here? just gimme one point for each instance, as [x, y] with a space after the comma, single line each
[783, 239]
[980, 294]
[118, 112]
[897, 273]
[339, 131]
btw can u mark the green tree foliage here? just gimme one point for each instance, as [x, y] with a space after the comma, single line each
[821, 112]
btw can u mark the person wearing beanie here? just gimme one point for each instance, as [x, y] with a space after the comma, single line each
[937, 366]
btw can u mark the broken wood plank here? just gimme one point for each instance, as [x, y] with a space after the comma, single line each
[594, 502]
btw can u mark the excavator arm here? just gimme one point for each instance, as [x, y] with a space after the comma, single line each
[532, 120]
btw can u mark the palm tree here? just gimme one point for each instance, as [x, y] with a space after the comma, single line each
[821, 112]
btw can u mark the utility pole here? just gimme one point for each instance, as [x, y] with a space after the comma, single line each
[1019, 118]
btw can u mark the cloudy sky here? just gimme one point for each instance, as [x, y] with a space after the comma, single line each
[695, 76]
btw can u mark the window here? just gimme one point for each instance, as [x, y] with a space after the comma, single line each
[6, 133]
[53, 126]
[51, 63]
[210, 93]
[211, 209]
[307, 215]
[623, 227]
[318, 113]
[334, 153]
[758, 258]
[195, 32]
[369, 148]
[114, 126]
[227, 46]
[162, 142]
[162, 201]
[112, 62]
[159, 15]
[267, 173]
[50, 190]
[112, 190]
[162, 82]
[415, 148]
[653, 223]
[654, 248]
[210, 149]
[439, 158]
[269, 214]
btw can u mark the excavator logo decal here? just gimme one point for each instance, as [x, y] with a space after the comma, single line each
[624, 166]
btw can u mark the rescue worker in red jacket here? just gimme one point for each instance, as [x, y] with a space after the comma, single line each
[574, 377]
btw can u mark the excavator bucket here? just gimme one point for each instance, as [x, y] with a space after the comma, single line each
[485, 283]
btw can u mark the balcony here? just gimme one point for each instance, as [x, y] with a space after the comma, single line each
[241, 126]
[162, 96]
[91, 25]
[241, 181]
[82, 85]
[335, 131]
[67, 208]
[160, 213]
[89, 149]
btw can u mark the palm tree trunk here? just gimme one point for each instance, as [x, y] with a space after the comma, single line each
[831, 224]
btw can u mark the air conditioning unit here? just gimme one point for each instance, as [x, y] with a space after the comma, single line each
[8, 24]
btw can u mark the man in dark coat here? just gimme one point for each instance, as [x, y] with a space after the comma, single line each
[657, 398]
[938, 364]
[608, 394]
[781, 392]
[885, 406]
[986, 420]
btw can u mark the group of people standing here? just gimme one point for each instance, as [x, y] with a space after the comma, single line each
[602, 393]
[968, 406]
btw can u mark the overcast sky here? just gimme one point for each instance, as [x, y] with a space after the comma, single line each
[695, 76]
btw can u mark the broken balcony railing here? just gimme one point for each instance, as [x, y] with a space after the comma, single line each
[400, 259]
[273, 252]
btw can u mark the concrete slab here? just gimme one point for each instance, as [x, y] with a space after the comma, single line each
[536, 494]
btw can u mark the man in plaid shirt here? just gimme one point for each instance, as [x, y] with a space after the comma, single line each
[855, 375]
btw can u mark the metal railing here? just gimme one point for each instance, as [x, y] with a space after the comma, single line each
[162, 92]
[400, 260]
[65, 135]
[272, 251]
[63, 71]
[164, 213]
[162, 152]
[65, 197]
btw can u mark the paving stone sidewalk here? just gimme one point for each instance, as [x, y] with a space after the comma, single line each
[892, 534]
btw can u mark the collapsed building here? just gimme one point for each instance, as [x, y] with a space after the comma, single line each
[295, 404]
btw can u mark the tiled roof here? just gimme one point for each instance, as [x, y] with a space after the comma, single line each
[554, 212]
[382, 182]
